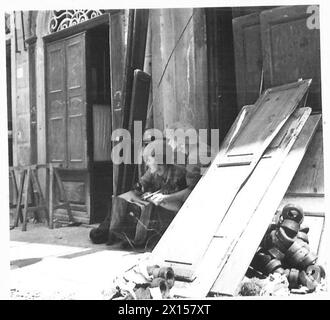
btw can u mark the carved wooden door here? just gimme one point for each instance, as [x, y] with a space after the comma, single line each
[66, 102]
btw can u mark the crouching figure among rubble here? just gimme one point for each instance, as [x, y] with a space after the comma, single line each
[148, 209]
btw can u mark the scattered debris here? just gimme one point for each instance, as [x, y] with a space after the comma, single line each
[251, 287]
[274, 285]
[144, 281]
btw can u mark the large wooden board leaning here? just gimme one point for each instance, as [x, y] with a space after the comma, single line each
[237, 263]
[193, 228]
[244, 206]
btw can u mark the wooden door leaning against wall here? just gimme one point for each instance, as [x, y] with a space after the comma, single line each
[275, 47]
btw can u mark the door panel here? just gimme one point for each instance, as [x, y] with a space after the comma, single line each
[56, 106]
[291, 49]
[75, 62]
[76, 101]
[76, 152]
[57, 150]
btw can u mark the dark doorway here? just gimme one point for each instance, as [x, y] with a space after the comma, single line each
[99, 99]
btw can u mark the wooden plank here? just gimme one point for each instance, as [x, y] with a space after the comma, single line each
[140, 97]
[135, 53]
[139, 38]
[19, 198]
[124, 97]
[117, 69]
[311, 205]
[249, 197]
[51, 197]
[248, 58]
[316, 225]
[323, 246]
[42, 201]
[63, 194]
[27, 188]
[13, 188]
[138, 112]
[136, 44]
[234, 270]
[298, 55]
[228, 180]
[309, 178]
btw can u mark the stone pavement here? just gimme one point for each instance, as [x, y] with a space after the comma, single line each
[45, 266]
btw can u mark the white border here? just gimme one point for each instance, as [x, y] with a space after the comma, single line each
[7, 6]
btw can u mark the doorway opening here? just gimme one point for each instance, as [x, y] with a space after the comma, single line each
[78, 112]
[98, 91]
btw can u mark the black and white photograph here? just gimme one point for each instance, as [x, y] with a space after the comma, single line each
[164, 152]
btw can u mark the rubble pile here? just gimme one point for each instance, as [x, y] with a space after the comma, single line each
[285, 250]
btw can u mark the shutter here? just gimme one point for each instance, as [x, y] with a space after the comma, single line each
[76, 101]
[56, 103]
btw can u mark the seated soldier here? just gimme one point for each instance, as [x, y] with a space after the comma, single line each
[151, 195]
[197, 155]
